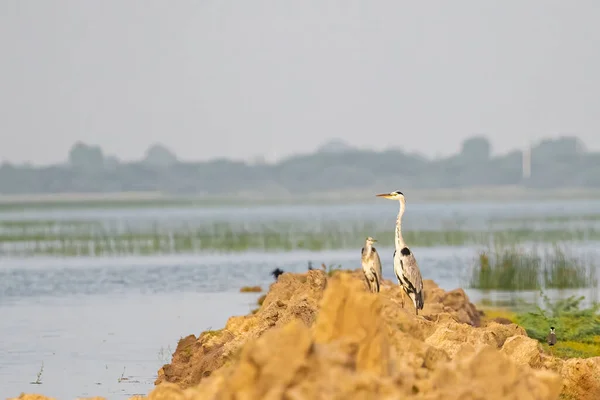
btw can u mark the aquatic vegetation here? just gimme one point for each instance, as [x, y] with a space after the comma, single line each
[165, 354]
[577, 328]
[550, 218]
[122, 378]
[250, 289]
[506, 268]
[113, 238]
[205, 233]
[38, 380]
[333, 269]
[512, 268]
[565, 271]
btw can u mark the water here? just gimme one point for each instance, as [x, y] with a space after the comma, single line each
[88, 342]
[418, 216]
[92, 321]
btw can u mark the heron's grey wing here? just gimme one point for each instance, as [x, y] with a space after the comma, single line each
[411, 272]
[377, 265]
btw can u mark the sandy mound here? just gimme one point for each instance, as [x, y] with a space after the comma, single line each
[292, 297]
[333, 339]
[320, 338]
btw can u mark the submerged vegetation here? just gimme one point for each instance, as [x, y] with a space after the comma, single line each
[512, 268]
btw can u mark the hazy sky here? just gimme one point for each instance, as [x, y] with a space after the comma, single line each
[241, 78]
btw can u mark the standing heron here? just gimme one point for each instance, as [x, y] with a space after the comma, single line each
[371, 265]
[405, 265]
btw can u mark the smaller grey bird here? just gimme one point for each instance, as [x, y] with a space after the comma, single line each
[551, 337]
[371, 265]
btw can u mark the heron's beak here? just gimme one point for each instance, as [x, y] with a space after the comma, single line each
[374, 240]
[385, 195]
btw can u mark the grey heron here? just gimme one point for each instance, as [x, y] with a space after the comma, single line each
[371, 265]
[405, 265]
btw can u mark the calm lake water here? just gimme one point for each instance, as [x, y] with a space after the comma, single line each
[93, 321]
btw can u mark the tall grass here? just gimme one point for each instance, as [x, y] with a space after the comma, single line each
[512, 268]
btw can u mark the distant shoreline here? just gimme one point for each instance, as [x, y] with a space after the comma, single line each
[157, 199]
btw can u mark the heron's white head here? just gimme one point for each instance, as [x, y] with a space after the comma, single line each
[397, 195]
[370, 241]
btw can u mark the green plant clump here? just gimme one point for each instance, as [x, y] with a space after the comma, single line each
[577, 329]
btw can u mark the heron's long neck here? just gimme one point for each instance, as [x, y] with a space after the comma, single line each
[368, 248]
[399, 240]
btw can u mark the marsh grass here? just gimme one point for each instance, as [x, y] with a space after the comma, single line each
[577, 328]
[164, 355]
[549, 218]
[512, 268]
[565, 271]
[506, 268]
[96, 238]
[38, 380]
[122, 378]
[250, 289]
[333, 269]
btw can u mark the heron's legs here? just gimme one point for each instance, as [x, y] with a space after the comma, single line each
[402, 296]
[367, 282]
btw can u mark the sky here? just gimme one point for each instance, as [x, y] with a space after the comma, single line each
[241, 79]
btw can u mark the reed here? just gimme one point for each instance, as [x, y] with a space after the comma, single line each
[506, 269]
[512, 268]
[566, 271]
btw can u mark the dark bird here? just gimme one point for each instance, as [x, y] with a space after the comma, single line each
[551, 337]
[276, 272]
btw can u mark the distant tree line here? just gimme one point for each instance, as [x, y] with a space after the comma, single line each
[336, 166]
